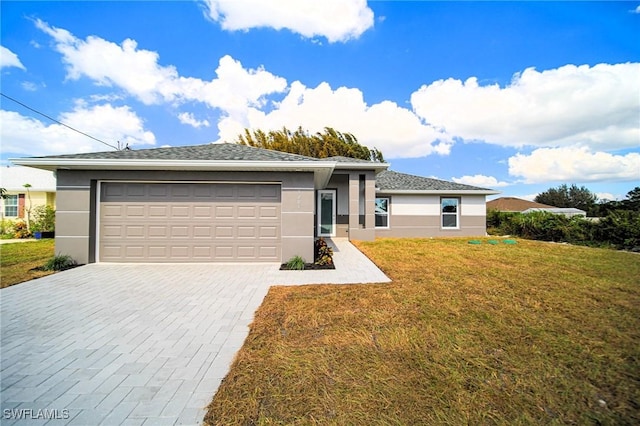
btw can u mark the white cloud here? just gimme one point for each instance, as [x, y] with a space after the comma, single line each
[137, 72]
[188, 118]
[594, 106]
[9, 59]
[481, 181]
[636, 10]
[28, 136]
[606, 196]
[574, 164]
[396, 131]
[337, 20]
[29, 86]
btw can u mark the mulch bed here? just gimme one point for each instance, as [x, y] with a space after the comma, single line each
[307, 267]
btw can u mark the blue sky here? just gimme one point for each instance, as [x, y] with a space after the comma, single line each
[514, 96]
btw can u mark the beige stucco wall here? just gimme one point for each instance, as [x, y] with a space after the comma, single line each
[76, 199]
[419, 216]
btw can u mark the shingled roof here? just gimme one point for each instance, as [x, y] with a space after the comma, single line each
[513, 204]
[389, 180]
[212, 151]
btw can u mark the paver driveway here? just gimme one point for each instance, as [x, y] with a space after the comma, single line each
[136, 344]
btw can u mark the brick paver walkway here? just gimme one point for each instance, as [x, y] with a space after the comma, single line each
[136, 344]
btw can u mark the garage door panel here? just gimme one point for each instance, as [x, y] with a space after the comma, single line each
[134, 231]
[247, 191]
[204, 212]
[134, 251]
[110, 210]
[158, 212]
[180, 190]
[246, 231]
[180, 212]
[157, 252]
[202, 231]
[222, 212]
[271, 232]
[269, 252]
[179, 231]
[189, 222]
[135, 211]
[247, 212]
[112, 231]
[157, 231]
[135, 190]
[269, 193]
[269, 212]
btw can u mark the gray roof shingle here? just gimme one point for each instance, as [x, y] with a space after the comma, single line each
[390, 180]
[213, 151]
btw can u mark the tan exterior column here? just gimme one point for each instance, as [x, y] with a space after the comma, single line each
[356, 231]
[72, 223]
[297, 214]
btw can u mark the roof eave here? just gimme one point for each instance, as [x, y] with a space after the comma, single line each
[436, 192]
[377, 167]
[322, 170]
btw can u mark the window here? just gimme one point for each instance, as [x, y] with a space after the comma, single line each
[11, 206]
[382, 212]
[450, 209]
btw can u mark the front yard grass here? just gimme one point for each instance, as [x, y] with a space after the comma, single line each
[17, 261]
[533, 333]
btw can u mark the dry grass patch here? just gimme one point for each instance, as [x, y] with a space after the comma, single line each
[18, 260]
[466, 334]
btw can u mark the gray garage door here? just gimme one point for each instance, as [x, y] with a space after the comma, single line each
[189, 222]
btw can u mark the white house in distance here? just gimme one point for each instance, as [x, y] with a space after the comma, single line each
[41, 192]
[513, 204]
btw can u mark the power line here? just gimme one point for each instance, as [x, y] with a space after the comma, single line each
[59, 122]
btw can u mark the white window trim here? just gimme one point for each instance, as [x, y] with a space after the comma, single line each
[457, 214]
[16, 205]
[388, 213]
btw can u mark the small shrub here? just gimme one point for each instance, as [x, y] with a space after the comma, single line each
[60, 262]
[323, 253]
[44, 219]
[6, 229]
[20, 230]
[296, 263]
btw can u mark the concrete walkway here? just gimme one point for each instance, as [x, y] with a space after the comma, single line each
[137, 344]
[17, 240]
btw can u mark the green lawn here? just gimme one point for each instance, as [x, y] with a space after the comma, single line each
[18, 259]
[534, 333]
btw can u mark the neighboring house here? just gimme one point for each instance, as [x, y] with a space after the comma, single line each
[512, 204]
[229, 202]
[18, 200]
[566, 211]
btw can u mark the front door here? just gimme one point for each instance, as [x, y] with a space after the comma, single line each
[326, 212]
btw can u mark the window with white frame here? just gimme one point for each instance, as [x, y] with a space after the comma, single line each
[450, 210]
[382, 212]
[11, 206]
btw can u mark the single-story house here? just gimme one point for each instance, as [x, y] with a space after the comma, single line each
[18, 199]
[229, 203]
[518, 205]
[513, 205]
[566, 211]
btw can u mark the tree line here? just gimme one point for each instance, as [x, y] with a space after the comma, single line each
[613, 224]
[328, 143]
[583, 199]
